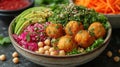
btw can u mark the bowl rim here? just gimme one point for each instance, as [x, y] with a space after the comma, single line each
[107, 39]
[112, 15]
[7, 11]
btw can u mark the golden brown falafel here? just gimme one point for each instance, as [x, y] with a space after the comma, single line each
[54, 30]
[73, 27]
[84, 39]
[98, 29]
[66, 43]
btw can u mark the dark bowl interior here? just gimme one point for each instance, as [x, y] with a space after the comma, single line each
[6, 16]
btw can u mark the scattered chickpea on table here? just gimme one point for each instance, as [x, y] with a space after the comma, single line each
[115, 58]
[109, 54]
[2, 57]
[14, 55]
[15, 60]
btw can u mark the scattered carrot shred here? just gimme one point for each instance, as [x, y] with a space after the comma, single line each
[101, 6]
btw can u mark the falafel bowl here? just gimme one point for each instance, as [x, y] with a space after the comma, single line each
[63, 32]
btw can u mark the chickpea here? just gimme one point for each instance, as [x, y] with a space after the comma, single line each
[2, 57]
[46, 47]
[47, 52]
[116, 58]
[47, 42]
[81, 49]
[54, 53]
[40, 44]
[41, 50]
[61, 52]
[51, 49]
[15, 54]
[54, 42]
[37, 52]
[15, 60]
[109, 54]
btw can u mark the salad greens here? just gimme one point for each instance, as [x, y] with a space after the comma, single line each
[95, 44]
[74, 51]
[65, 13]
[4, 40]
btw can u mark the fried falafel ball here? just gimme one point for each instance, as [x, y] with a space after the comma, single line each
[98, 29]
[54, 30]
[84, 39]
[73, 27]
[66, 43]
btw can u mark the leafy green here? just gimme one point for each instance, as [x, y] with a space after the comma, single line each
[28, 37]
[65, 13]
[74, 51]
[106, 25]
[95, 44]
[91, 32]
[4, 40]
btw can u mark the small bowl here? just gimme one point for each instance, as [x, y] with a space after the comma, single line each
[114, 19]
[60, 61]
[7, 15]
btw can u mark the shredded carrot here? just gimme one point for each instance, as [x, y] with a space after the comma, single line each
[102, 6]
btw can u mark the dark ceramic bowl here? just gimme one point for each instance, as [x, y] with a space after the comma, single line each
[114, 19]
[60, 61]
[6, 16]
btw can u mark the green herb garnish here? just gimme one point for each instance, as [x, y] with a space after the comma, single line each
[4, 40]
[80, 31]
[57, 27]
[69, 31]
[28, 37]
[95, 44]
[74, 51]
[65, 13]
[91, 32]
[30, 21]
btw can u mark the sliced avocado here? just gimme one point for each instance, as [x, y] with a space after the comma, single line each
[28, 14]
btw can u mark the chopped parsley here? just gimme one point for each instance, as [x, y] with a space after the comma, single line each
[57, 27]
[74, 51]
[92, 32]
[28, 37]
[95, 44]
[76, 13]
[69, 31]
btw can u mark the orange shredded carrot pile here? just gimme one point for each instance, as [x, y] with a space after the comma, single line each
[101, 6]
